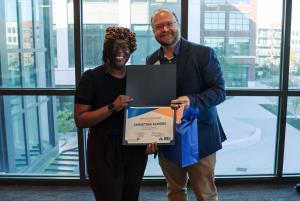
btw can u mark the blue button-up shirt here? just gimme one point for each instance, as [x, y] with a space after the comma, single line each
[164, 60]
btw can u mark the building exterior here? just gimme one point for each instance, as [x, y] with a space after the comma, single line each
[230, 28]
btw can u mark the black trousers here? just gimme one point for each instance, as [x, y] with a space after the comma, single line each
[115, 171]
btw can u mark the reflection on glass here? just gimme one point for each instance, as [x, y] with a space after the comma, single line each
[291, 163]
[43, 72]
[146, 43]
[47, 47]
[40, 19]
[249, 37]
[12, 35]
[40, 135]
[13, 76]
[62, 46]
[294, 76]
[26, 24]
[97, 16]
[250, 126]
[29, 70]
[32, 126]
[20, 157]
[44, 102]
[92, 55]
[15, 106]
[140, 15]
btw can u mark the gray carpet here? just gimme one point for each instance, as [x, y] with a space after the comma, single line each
[263, 192]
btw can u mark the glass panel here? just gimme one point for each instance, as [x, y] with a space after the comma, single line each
[250, 126]
[249, 51]
[26, 23]
[239, 1]
[294, 78]
[291, 163]
[98, 15]
[239, 21]
[44, 123]
[215, 2]
[19, 156]
[62, 47]
[92, 54]
[42, 73]
[47, 47]
[29, 70]
[12, 35]
[40, 135]
[145, 41]
[31, 116]
[214, 21]
[13, 76]
[140, 23]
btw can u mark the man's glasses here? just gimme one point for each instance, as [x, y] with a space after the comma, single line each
[162, 26]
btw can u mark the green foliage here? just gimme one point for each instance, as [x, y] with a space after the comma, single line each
[65, 121]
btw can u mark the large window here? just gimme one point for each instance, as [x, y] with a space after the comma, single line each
[252, 136]
[238, 46]
[37, 130]
[249, 48]
[238, 21]
[97, 16]
[40, 137]
[291, 164]
[39, 45]
[214, 20]
[294, 75]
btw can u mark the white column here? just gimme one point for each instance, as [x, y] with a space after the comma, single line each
[61, 20]
[194, 21]
[124, 13]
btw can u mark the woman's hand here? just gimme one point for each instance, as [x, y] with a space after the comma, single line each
[122, 101]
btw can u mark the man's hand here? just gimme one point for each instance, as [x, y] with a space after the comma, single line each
[152, 148]
[182, 101]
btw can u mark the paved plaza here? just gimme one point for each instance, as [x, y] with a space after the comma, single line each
[251, 133]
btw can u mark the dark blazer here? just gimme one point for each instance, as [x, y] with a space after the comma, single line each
[199, 77]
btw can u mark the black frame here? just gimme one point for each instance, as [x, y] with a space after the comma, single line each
[283, 93]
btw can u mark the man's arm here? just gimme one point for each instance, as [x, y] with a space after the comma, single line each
[213, 83]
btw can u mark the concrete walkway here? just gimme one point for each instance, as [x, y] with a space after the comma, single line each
[251, 133]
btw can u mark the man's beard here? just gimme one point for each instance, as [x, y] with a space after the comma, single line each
[165, 44]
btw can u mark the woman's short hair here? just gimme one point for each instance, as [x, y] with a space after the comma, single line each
[114, 33]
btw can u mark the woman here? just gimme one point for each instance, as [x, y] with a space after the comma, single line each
[115, 171]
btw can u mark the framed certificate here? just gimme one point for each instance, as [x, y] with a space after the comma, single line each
[149, 118]
[144, 125]
[150, 85]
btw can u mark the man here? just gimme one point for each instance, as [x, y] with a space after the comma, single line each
[200, 85]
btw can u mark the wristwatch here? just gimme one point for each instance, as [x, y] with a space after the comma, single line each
[111, 108]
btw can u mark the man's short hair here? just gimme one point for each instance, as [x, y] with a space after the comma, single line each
[163, 9]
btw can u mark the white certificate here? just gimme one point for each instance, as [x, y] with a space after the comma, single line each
[144, 125]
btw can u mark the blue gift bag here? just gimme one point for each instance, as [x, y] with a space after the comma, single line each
[185, 152]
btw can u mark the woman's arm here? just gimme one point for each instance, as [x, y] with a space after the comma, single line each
[85, 118]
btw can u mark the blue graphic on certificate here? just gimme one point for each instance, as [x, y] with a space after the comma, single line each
[145, 125]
